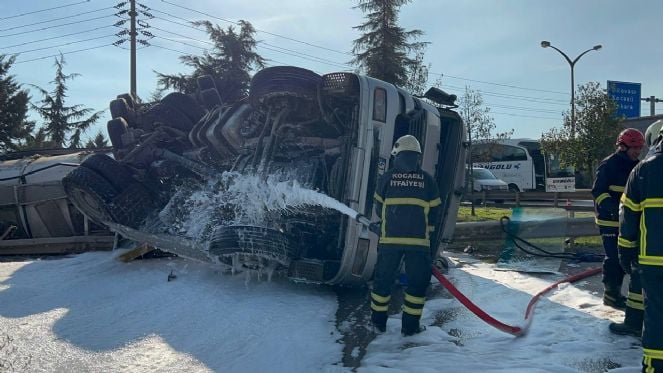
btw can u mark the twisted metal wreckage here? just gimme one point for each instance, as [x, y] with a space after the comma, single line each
[331, 133]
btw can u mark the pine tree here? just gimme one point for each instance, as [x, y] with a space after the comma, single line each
[384, 49]
[63, 124]
[230, 62]
[99, 141]
[14, 125]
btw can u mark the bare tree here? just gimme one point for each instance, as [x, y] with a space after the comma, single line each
[480, 125]
[596, 129]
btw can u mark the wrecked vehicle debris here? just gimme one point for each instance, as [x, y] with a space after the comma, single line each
[331, 133]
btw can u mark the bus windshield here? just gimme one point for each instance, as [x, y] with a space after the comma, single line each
[555, 169]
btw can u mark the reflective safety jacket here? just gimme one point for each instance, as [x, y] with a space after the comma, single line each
[408, 203]
[642, 212]
[611, 177]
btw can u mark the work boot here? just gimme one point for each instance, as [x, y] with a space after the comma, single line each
[625, 329]
[379, 322]
[409, 332]
[612, 297]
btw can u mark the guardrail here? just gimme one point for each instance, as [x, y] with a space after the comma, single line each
[556, 199]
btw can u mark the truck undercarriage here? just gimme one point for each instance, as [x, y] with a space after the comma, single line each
[294, 127]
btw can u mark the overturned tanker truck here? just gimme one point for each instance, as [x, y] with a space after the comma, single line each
[333, 133]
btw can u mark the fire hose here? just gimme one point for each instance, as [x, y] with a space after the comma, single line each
[529, 311]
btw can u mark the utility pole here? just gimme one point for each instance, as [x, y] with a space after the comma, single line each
[132, 34]
[652, 104]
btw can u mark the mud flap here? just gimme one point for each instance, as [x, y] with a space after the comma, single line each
[173, 244]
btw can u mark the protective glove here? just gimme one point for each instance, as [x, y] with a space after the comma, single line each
[627, 259]
[375, 227]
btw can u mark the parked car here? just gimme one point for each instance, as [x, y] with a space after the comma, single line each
[485, 180]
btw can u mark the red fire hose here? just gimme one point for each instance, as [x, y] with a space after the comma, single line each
[514, 330]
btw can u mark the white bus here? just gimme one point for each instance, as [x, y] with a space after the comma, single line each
[522, 165]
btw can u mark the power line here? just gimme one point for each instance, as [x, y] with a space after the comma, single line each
[62, 45]
[346, 53]
[179, 41]
[303, 57]
[262, 45]
[258, 30]
[542, 100]
[523, 108]
[523, 116]
[56, 19]
[174, 50]
[58, 37]
[50, 27]
[497, 84]
[56, 55]
[45, 10]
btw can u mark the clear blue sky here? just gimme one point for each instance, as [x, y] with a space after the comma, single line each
[490, 45]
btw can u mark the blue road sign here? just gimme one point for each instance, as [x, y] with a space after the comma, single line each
[627, 97]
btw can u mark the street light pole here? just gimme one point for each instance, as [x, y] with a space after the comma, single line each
[572, 63]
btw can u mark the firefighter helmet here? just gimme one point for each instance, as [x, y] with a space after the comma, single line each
[653, 131]
[631, 138]
[406, 143]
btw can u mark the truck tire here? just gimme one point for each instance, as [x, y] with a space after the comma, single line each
[116, 128]
[186, 104]
[90, 193]
[168, 116]
[252, 240]
[283, 81]
[118, 175]
[119, 108]
[133, 205]
[131, 101]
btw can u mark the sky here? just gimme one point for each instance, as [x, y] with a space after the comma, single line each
[93, 313]
[488, 45]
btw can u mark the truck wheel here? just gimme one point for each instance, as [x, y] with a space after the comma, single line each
[168, 116]
[90, 193]
[283, 81]
[133, 205]
[513, 188]
[119, 108]
[116, 128]
[131, 101]
[254, 241]
[186, 104]
[113, 171]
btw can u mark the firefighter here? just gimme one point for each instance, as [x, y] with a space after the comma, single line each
[407, 200]
[641, 249]
[653, 136]
[611, 177]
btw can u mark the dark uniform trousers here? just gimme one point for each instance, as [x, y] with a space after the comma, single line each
[652, 335]
[611, 176]
[641, 241]
[408, 203]
[418, 271]
[613, 274]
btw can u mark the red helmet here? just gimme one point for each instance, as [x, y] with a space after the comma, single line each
[631, 138]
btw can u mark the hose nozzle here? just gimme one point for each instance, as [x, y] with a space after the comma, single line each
[363, 220]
